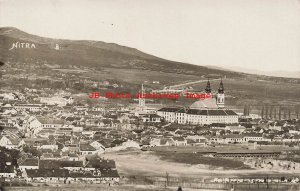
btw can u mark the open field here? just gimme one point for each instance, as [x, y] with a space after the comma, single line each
[196, 159]
[222, 148]
[138, 163]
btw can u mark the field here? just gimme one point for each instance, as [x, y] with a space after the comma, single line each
[196, 158]
[188, 162]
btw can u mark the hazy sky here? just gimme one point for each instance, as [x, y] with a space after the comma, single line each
[255, 34]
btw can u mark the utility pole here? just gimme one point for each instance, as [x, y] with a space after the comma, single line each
[267, 181]
[167, 179]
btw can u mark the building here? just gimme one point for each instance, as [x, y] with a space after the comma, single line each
[207, 111]
[86, 149]
[7, 171]
[28, 107]
[57, 100]
[169, 113]
[11, 142]
[29, 163]
[46, 175]
[151, 118]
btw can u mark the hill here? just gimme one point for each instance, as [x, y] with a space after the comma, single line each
[93, 54]
[74, 60]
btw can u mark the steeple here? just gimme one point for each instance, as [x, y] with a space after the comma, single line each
[221, 96]
[142, 99]
[208, 89]
[221, 88]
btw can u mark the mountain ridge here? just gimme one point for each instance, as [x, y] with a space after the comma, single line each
[99, 54]
[95, 54]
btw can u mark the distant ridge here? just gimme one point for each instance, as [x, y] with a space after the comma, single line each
[99, 54]
[95, 54]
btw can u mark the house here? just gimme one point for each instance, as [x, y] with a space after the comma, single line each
[73, 157]
[234, 138]
[8, 96]
[50, 123]
[98, 146]
[57, 100]
[71, 148]
[100, 163]
[238, 129]
[110, 176]
[196, 140]
[48, 156]
[92, 177]
[51, 147]
[276, 126]
[124, 118]
[179, 141]
[29, 163]
[11, 142]
[47, 175]
[7, 171]
[86, 149]
[62, 164]
[36, 124]
[151, 118]
[253, 137]
[28, 107]
[94, 114]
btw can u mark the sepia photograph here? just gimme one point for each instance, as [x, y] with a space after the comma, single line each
[149, 95]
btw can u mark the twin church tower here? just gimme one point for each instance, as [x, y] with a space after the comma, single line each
[220, 97]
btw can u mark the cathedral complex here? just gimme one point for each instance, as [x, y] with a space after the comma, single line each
[203, 111]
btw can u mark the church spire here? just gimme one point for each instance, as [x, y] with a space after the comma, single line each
[221, 88]
[208, 89]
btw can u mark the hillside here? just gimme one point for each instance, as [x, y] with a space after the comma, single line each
[78, 60]
[93, 54]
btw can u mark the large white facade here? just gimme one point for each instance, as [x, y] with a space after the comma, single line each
[195, 116]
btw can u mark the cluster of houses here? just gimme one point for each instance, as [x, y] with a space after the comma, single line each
[65, 132]
[65, 171]
[34, 169]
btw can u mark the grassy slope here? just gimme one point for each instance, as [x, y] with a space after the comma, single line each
[129, 65]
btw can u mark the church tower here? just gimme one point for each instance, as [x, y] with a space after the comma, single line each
[221, 96]
[208, 88]
[142, 99]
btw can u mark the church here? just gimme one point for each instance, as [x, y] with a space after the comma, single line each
[203, 111]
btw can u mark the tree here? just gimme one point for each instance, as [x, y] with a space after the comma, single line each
[279, 114]
[297, 111]
[267, 112]
[271, 110]
[245, 110]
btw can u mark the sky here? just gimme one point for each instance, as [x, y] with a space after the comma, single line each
[258, 34]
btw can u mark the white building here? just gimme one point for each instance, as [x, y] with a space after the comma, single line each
[201, 112]
[29, 163]
[11, 142]
[28, 107]
[57, 100]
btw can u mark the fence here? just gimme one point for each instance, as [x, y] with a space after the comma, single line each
[168, 181]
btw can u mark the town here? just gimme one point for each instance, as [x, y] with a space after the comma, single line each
[99, 116]
[50, 137]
